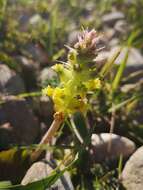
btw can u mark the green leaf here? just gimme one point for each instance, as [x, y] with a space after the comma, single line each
[41, 184]
[120, 165]
[120, 105]
[132, 37]
[122, 66]
[107, 67]
[120, 71]
[59, 54]
[5, 184]
[80, 123]
[23, 95]
[52, 31]
[29, 94]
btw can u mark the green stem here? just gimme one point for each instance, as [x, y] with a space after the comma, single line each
[75, 130]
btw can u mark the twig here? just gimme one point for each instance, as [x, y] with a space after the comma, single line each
[58, 119]
[112, 124]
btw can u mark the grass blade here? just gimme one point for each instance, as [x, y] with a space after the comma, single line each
[44, 183]
[120, 71]
[107, 67]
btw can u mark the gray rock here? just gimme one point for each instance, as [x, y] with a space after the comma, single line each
[121, 27]
[129, 2]
[29, 70]
[135, 58]
[38, 53]
[18, 122]
[6, 136]
[90, 5]
[46, 107]
[114, 42]
[134, 62]
[119, 146]
[23, 19]
[35, 19]
[40, 170]
[132, 175]
[48, 76]
[111, 18]
[10, 82]
[102, 57]
[129, 87]
[110, 33]
[73, 36]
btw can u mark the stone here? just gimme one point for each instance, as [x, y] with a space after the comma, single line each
[6, 136]
[121, 27]
[102, 57]
[48, 77]
[43, 106]
[40, 170]
[112, 17]
[10, 82]
[35, 19]
[110, 33]
[23, 19]
[17, 122]
[29, 70]
[128, 87]
[73, 37]
[134, 62]
[46, 107]
[38, 53]
[114, 42]
[132, 175]
[135, 58]
[119, 146]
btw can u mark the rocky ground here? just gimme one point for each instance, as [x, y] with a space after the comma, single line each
[23, 121]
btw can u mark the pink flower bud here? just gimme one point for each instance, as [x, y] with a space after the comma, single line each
[88, 42]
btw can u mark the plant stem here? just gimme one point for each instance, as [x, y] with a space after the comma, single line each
[76, 131]
[58, 119]
[112, 125]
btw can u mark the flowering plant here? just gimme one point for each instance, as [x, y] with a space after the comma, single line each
[77, 76]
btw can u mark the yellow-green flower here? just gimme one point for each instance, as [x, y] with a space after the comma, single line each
[93, 84]
[58, 93]
[48, 91]
[58, 67]
[76, 76]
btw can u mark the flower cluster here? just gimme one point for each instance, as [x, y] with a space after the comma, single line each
[77, 76]
[88, 42]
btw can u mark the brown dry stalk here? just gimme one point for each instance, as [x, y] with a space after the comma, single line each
[112, 125]
[58, 119]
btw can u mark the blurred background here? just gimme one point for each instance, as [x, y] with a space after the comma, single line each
[33, 35]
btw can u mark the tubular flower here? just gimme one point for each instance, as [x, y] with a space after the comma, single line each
[76, 76]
